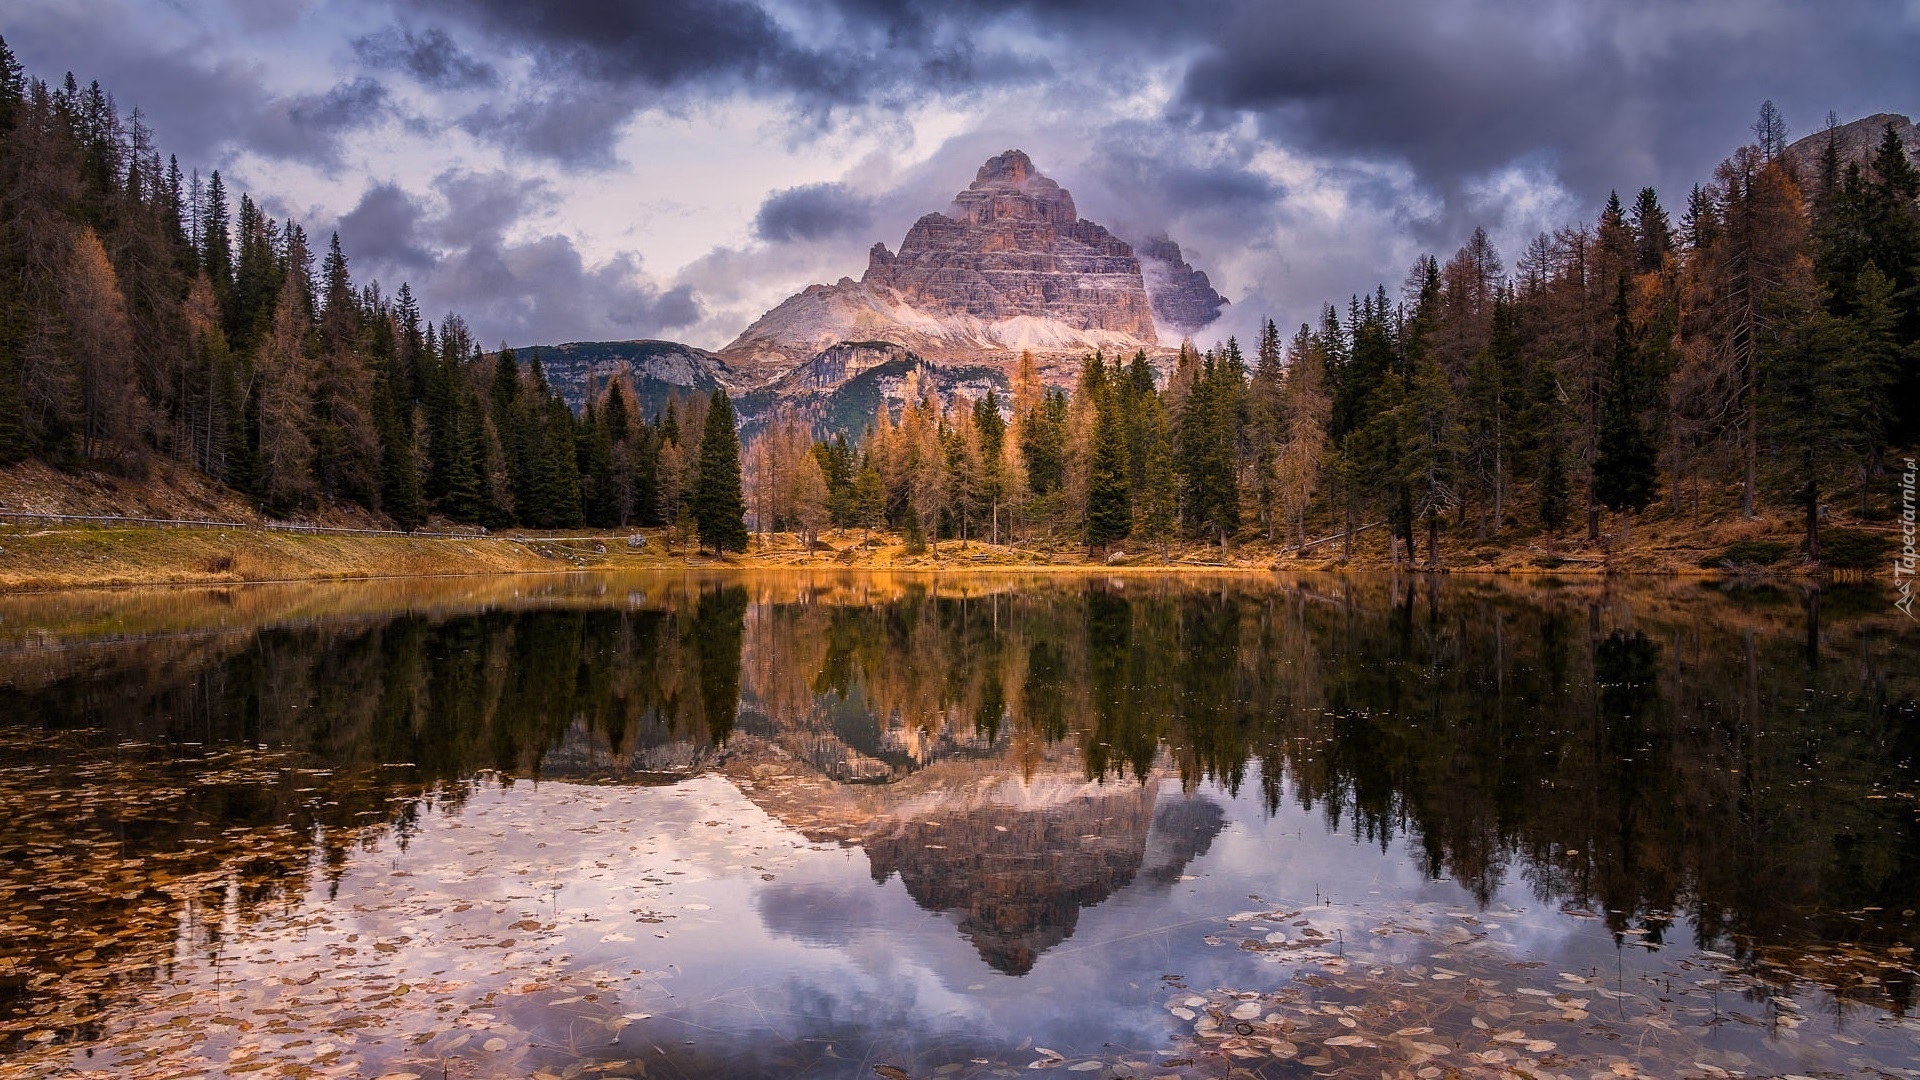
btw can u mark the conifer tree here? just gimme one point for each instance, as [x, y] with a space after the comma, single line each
[1818, 383]
[1156, 509]
[1624, 469]
[1553, 491]
[12, 87]
[598, 483]
[1109, 504]
[990, 431]
[15, 442]
[719, 506]
[1653, 235]
[1209, 437]
[464, 497]
[216, 242]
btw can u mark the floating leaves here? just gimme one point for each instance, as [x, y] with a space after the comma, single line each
[1439, 1002]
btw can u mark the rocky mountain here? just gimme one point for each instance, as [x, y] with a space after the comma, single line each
[653, 370]
[840, 388]
[1858, 141]
[1009, 266]
[1183, 298]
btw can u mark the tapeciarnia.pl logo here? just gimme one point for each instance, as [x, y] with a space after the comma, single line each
[1903, 566]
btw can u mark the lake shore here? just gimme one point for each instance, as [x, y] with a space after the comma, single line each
[49, 556]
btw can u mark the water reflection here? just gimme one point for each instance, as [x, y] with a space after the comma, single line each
[1733, 773]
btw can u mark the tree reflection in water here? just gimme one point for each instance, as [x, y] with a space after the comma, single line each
[1747, 762]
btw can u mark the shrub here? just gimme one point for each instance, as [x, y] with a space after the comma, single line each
[1748, 553]
[1853, 549]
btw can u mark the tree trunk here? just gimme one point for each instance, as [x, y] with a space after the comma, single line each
[1673, 461]
[1813, 521]
[1499, 489]
[1752, 479]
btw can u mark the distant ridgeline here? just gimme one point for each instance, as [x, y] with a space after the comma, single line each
[1006, 372]
[838, 391]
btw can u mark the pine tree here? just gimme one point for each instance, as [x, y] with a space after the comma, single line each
[1814, 399]
[558, 468]
[1109, 489]
[599, 489]
[464, 497]
[15, 441]
[1653, 236]
[1209, 439]
[1156, 509]
[1553, 491]
[991, 432]
[216, 243]
[1266, 426]
[719, 507]
[1625, 467]
[13, 88]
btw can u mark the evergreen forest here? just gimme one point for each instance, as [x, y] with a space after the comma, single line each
[1755, 348]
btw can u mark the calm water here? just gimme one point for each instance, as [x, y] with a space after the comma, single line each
[860, 825]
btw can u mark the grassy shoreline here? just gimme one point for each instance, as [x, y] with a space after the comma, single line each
[87, 556]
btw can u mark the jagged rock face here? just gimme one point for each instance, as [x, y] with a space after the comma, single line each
[1010, 266]
[1183, 298]
[1015, 246]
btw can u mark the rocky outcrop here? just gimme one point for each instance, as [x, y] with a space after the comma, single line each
[1183, 298]
[652, 370]
[1009, 266]
[1857, 142]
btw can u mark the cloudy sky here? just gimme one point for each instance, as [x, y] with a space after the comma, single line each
[586, 169]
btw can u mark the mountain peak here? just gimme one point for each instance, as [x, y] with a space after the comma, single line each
[1012, 166]
[1009, 187]
[1010, 265]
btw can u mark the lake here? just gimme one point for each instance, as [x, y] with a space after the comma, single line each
[857, 825]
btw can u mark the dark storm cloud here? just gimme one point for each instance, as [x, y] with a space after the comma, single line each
[384, 227]
[454, 247]
[570, 125]
[486, 204]
[601, 63]
[812, 212]
[543, 291]
[347, 106]
[1611, 94]
[433, 58]
[661, 44]
[309, 127]
[202, 106]
[1135, 165]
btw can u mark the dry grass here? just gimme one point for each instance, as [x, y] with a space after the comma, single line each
[38, 558]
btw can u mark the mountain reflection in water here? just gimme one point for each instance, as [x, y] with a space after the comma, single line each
[1733, 772]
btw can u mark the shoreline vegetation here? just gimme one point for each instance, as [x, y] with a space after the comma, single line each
[48, 557]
